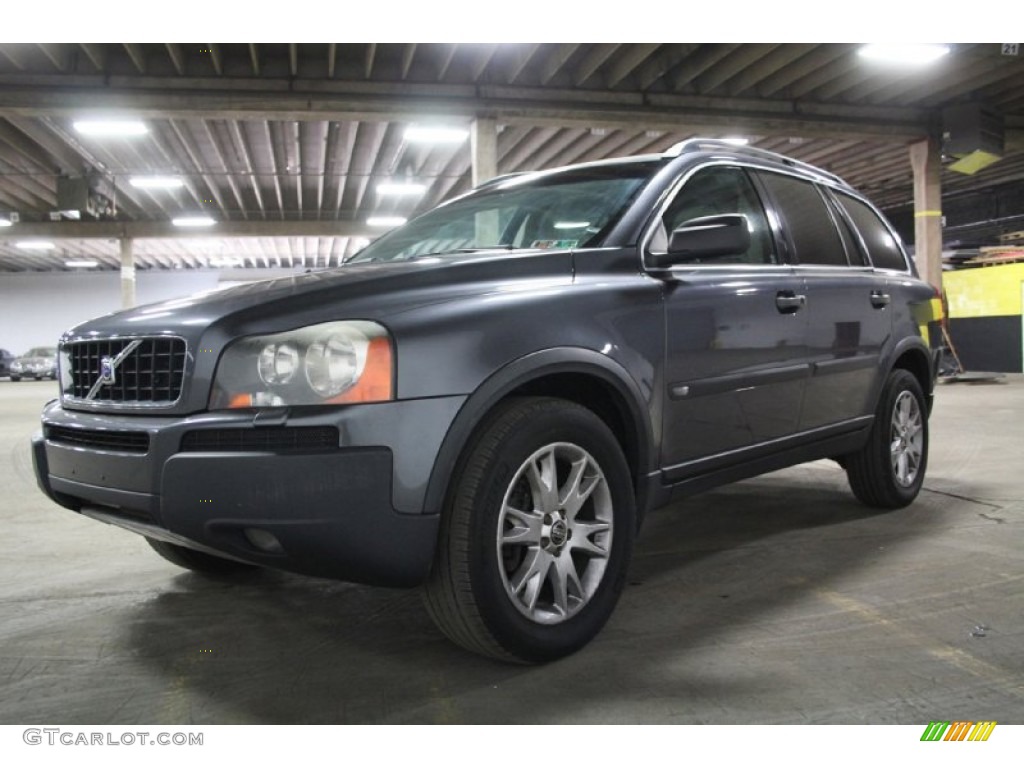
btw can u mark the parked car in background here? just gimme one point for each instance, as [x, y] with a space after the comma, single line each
[38, 363]
[6, 358]
[488, 400]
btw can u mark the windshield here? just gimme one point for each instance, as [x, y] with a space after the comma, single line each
[570, 209]
[41, 352]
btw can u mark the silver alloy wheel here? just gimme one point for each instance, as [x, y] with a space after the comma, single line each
[906, 439]
[554, 533]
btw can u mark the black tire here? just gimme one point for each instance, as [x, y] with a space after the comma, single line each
[874, 478]
[471, 593]
[15, 378]
[200, 562]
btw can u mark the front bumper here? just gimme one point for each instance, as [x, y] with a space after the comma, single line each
[353, 511]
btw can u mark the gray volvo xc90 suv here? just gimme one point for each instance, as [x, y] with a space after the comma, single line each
[486, 401]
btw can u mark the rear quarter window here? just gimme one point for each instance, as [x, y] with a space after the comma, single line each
[882, 247]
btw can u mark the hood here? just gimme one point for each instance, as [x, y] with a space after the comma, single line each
[356, 291]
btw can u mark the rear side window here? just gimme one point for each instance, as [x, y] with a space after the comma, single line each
[885, 253]
[808, 221]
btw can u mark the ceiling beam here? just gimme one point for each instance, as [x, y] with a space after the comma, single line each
[521, 58]
[97, 54]
[635, 55]
[177, 57]
[56, 53]
[137, 56]
[446, 61]
[595, 58]
[254, 59]
[332, 53]
[293, 59]
[408, 54]
[215, 57]
[371, 52]
[210, 98]
[15, 53]
[164, 229]
[556, 60]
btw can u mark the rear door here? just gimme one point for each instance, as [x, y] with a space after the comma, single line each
[848, 302]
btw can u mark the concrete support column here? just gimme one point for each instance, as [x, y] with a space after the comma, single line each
[127, 274]
[926, 159]
[484, 143]
[484, 146]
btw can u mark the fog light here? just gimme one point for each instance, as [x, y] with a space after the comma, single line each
[264, 540]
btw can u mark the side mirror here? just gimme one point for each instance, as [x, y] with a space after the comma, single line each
[708, 237]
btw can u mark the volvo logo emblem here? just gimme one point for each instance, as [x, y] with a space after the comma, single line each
[108, 369]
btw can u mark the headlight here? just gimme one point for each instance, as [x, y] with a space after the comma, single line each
[15, 366]
[342, 362]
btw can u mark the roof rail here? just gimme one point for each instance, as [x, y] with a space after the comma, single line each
[697, 144]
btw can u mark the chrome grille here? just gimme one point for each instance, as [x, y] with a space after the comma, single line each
[149, 371]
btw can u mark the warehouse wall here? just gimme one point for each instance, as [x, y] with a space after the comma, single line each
[985, 316]
[36, 308]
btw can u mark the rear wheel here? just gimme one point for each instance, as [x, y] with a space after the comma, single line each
[200, 562]
[537, 535]
[15, 378]
[889, 470]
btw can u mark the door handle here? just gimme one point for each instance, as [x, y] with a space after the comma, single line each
[879, 299]
[788, 302]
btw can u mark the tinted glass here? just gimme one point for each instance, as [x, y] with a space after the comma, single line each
[882, 247]
[807, 219]
[716, 191]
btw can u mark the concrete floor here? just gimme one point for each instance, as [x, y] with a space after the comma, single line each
[776, 600]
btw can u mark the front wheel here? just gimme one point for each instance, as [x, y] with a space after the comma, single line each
[537, 535]
[889, 470]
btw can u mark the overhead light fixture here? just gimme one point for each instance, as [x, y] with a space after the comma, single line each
[386, 221]
[6, 223]
[36, 245]
[156, 182]
[400, 189]
[904, 53]
[83, 263]
[739, 141]
[111, 127]
[193, 221]
[436, 134]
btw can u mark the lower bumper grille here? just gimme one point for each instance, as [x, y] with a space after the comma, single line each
[104, 440]
[264, 439]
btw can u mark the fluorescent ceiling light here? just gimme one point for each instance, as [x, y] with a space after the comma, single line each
[386, 221]
[571, 224]
[84, 263]
[400, 189]
[193, 221]
[111, 127]
[435, 134]
[739, 141]
[904, 53]
[156, 182]
[36, 245]
[6, 223]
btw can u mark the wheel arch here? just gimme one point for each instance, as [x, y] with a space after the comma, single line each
[575, 374]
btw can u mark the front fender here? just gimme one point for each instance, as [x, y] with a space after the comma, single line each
[533, 368]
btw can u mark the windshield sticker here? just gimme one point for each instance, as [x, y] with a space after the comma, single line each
[554, 243]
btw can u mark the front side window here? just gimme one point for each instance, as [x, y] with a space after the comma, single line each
[712, 192]
[572, 209]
